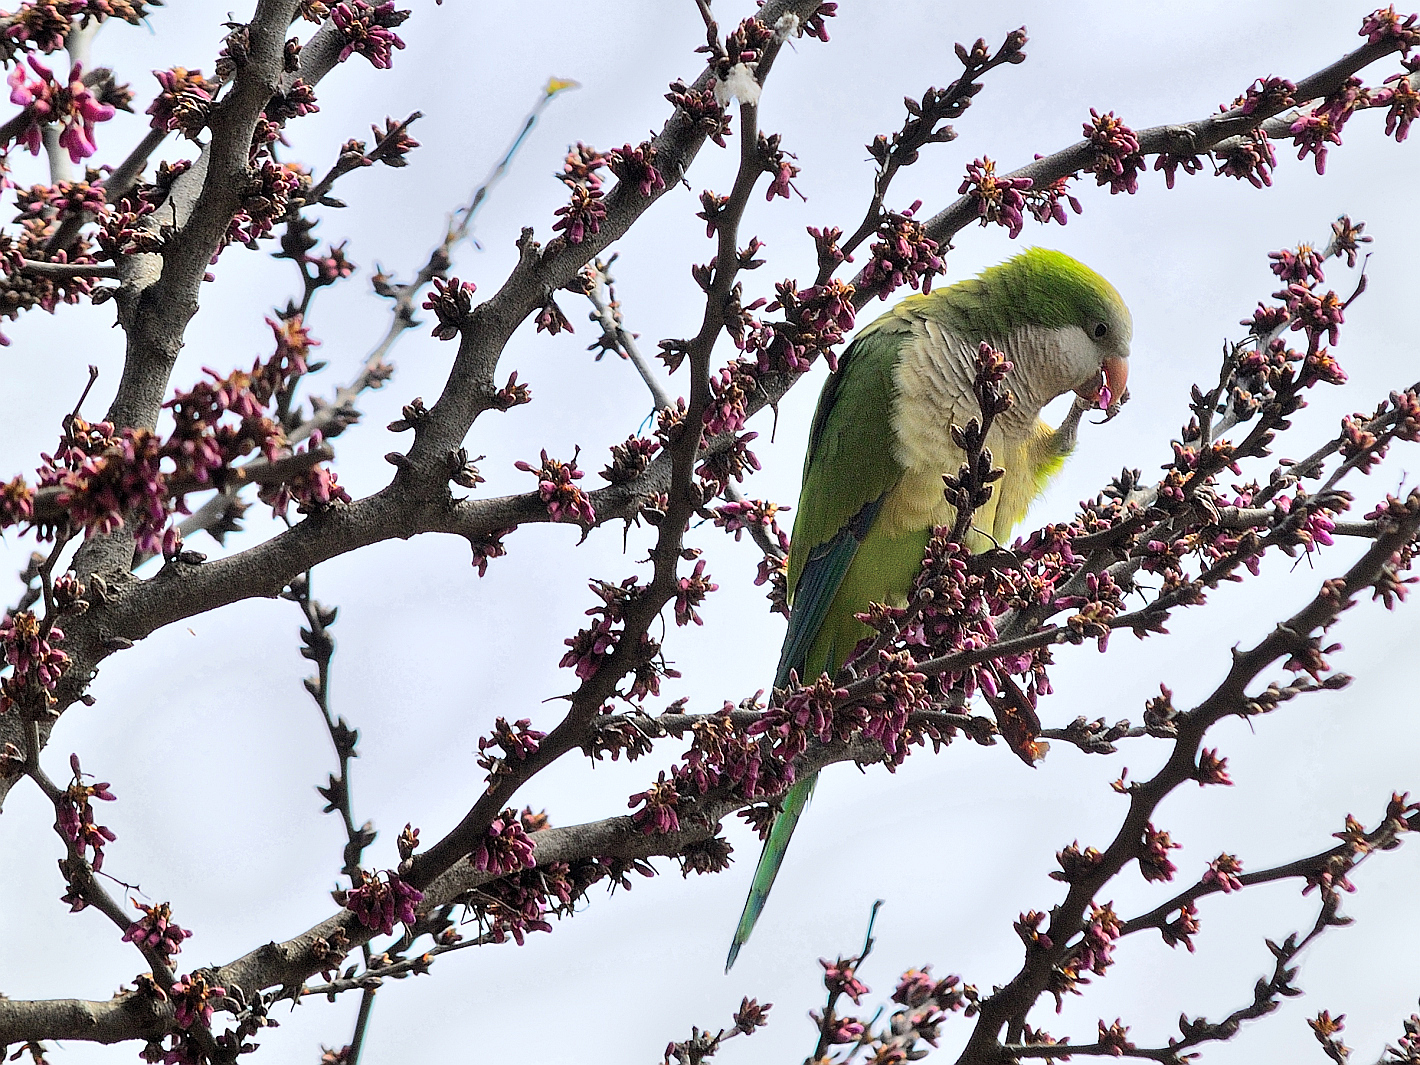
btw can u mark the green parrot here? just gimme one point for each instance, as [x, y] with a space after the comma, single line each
[881, 443]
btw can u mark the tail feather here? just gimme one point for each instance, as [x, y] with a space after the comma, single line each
[769, 861]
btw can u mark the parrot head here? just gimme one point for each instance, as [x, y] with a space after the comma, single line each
[1066, 328]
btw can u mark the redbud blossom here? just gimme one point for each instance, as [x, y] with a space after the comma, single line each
[1117, 159]
[1223, 871]
[565, 501]
[184, 102]
[505, 847]
[903, 254]
[1154, 863]
[368, 29]
[839, 978]
[637, 166]
[658, 816]
[690, 593]
[379, 904]
[192, 1000]
[997, 199]
[156, 930]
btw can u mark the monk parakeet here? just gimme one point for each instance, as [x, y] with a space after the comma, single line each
[881, 443]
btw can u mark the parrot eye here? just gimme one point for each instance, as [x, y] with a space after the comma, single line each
[1100, 330]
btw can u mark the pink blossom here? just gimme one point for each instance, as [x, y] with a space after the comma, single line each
[368, 29]
[997, 199]
[839, 977]
[505, 847]
[72, 106]
[192, 1000]
[1223, 871]
[378, 904]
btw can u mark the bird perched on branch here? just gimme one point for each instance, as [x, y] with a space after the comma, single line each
[882, 441]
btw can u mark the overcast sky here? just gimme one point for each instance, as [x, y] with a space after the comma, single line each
[214, 748]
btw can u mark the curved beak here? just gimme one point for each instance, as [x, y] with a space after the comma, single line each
[1106, 387]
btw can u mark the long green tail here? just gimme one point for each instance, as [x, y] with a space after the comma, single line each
[772, 857]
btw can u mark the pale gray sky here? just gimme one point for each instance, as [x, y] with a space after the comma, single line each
[213, 747]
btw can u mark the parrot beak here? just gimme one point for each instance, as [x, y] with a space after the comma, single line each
[1107, 388]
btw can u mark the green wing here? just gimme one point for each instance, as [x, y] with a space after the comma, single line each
[849, 469]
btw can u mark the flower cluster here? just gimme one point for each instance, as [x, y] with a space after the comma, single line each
[156, 930]
[103, 478]
[122, 230]
[1250, 159]
[737, 516]
[516, 741]
[452, 303]
[298, 100]
[518, 904]
[730, 463]
[1182, 928]
[331, 267]
[722, 753]
[902, 255]
[630, 459]
[75, 819]
[264, 201]
[1154, 862]
[584, 215]
[1320, 127]
[1001, 199]
[106, 478]
[192, 1000]
[60, 199]
[960, 607]
[1046, 203]
[728, 394]
[614, 737]
[756, 761]
[1212, 769]
[924, 1000]
[557, 488]
[505, 847]
[219, 421]
[1076, 864]
[1402, 103]
[184, 102]
[590, 647]
[313, 487]
[40, 26]
[705, 108]
[776, 163]
[815, 320]
[72, 106]
[840, 978]
[659, 815]
[378, 904]
[16, 502]
[691, 592]
[36, 663]
[637, 167]
[1117, 160]
[742, 47]
[1223, 871]
[392, 144]
[1383, 24]
[369, 30]
[813, 26]
[1095, 951]
[1170, 162]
